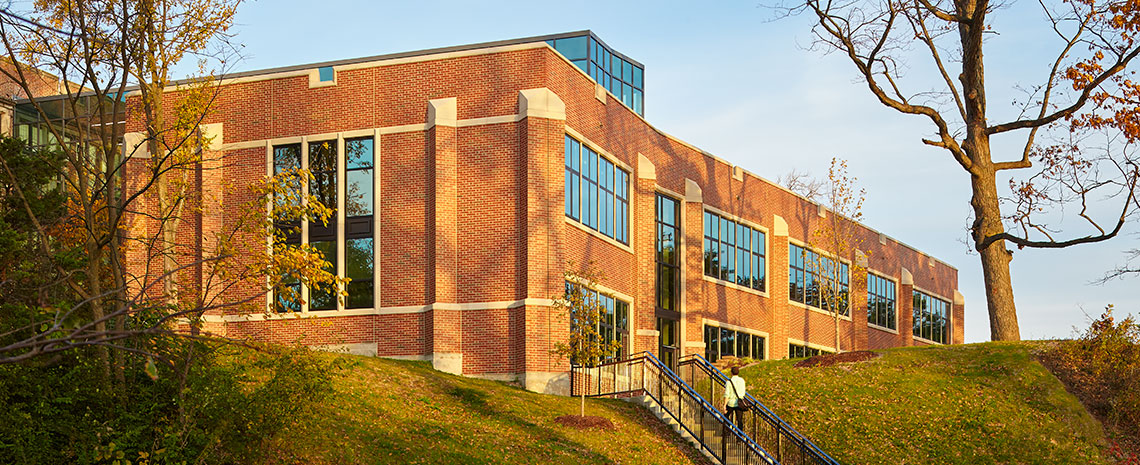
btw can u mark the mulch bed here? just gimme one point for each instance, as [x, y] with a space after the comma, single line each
[832, 359]
[586, 422]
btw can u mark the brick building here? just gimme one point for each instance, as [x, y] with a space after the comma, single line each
[466, 179]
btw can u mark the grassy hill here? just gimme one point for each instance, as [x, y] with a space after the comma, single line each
[387, 411]
[978, 403]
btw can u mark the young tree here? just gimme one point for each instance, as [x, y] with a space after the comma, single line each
[1083, 90]
[585, 345]
[840, 262]
[122, 196]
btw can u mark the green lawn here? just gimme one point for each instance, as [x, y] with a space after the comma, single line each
[387, 411]
[978, 403]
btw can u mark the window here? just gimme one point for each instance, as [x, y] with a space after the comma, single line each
[881, 302]
[811, 276]
[597, 191]
[802, 351]
[358, 223]
[931, 318]
[734, 252]
[356, 191]
[621, 77]
[667, 258]
[326, 74]
[723, 342]
[613, 316]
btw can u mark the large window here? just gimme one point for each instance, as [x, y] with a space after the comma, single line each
[734, 252]
[931, 318]
[724, 342]
[667, 257]
[354, 190]
[613, 316]
[801, 351]
[881, 302]
[597, 191]
[620, 76]
[813, 277]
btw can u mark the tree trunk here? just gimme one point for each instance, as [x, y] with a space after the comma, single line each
[582, 411]
[983, 176]
[995, 260]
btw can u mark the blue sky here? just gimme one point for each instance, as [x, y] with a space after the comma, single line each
[726, 77]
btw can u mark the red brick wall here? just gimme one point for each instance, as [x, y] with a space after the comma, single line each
[474, 214]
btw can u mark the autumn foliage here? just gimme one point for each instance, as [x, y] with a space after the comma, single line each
[1102, 367]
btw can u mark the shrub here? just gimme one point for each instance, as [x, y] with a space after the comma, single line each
[1102, 367]
[214, 403]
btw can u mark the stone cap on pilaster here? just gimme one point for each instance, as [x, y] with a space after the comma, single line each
[959, 299]
[212, 136]
[134, 145]
[541, 103]
[645, 168]
[779, 226]
[443, 112]
[907, 278]
[693, 192]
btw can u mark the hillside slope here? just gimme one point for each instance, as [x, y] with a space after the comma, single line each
[978, 403]
[387, 411]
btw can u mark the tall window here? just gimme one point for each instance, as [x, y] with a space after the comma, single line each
[734, 252]
[322, 236]
[881, 302]
[807, 270]
[723, 342]
[286, 159]
[358, 222]
[613, 316]
[668, 259]
[355, 190]
[597, 191]
[931, 318]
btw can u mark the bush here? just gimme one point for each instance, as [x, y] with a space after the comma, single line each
[1102, 368]
[216, 403]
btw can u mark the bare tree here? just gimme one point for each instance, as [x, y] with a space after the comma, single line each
[1084, 91]
[804, 184]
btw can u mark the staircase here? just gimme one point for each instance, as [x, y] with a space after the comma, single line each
[677, 399]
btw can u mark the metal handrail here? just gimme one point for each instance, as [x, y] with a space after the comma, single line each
[758, 408]
[663, 371]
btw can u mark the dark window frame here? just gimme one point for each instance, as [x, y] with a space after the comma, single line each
[590, 193]
[802, 275]
[882, 301]
[724, 251]
[931, 317]
[743, 343]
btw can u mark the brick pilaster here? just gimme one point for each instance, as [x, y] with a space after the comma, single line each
[777, 285]
[906, 308]
[447, 350]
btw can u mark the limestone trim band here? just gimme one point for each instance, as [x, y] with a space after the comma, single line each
[411, 309]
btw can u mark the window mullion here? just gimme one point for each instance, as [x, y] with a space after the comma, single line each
[304, 222]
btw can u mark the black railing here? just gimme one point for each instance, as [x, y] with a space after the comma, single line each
[644, 374]
[762, 425]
